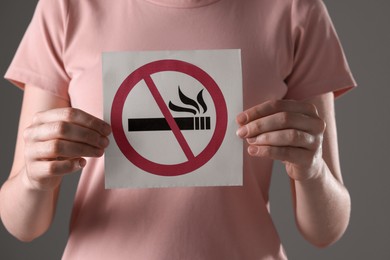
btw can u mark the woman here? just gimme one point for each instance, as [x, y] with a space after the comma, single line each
[293, 67]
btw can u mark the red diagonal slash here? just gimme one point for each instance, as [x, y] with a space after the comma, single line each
[168, 116]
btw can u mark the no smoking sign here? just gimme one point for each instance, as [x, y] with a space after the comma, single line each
[172, 115]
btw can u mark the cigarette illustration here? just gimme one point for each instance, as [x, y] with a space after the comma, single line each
[184, 123]
[161, 124]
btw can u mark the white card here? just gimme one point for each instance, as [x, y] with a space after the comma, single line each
[173, 118]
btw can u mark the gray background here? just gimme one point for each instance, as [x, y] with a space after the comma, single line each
[363, 126]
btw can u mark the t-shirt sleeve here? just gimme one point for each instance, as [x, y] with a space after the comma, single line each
[319, 63]
[39, 58]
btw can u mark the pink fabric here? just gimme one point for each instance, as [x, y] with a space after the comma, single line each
[289, 50]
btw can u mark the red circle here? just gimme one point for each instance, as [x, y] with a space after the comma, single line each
[117, 114]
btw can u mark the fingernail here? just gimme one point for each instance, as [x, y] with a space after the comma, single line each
[253, 150]
[241, 118]
[251, 140]
[242, 131]
[82, 163]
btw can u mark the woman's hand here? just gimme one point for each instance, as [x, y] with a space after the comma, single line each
[56, 142]
[285, 130]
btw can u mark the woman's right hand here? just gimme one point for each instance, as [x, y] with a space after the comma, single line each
[56, 143]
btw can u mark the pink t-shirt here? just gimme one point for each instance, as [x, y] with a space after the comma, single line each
[289, 50]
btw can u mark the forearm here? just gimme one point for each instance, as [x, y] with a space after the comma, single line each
[53, 141]
[26, 212]
[322, 208]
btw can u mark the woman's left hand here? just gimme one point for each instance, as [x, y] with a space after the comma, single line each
[285, 130]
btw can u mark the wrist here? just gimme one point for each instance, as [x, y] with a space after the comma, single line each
[314, 173]
[31, 185]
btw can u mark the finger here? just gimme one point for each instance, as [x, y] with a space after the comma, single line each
[294, 155]
[288, 137]
[65, 131]
[47, 175]
[61, 148]
[281, 121]
[75, 116]
[275, 106]
[45, 169]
